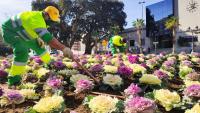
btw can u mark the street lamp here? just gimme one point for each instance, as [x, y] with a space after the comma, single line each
[142, 3]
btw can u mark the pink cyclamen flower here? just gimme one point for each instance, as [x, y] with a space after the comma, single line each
[139, 104]
[192, 91]
[125, 71]
[160, 74]
[83, 85]
[133, 90]
[54, 82]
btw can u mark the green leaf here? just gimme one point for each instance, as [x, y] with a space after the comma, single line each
[31, 110]
[120, 106]
[149, 95]
[87, 99]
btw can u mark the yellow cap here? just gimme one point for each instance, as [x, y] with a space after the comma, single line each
[53, 13]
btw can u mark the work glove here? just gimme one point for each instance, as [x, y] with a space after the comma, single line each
[40, 42]
[67, 53]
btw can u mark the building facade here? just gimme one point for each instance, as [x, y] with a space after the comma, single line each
[188, 14]
[131, 35]
[156, 15]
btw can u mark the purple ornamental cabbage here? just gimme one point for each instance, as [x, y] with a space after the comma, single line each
[83, 85]
[169, 63]
[192, 91]
[1, 92]
[15, 97]
[144, 65]
[140, 105]
[194, 76]
[107, 62]
[6, 64]
[195, 54]
[3, 74]
[160, 74]
[59, 64]
[84, 61]
[54, 82]
[125, 71]
[187, 63]
[133, 59]
[96, 68]
[133, 90]
[75, 65]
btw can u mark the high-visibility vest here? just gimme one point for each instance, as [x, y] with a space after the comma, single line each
[30, 24]
[116, 40]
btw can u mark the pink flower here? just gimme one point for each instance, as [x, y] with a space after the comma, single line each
[125, 71]
[144, 65]
[96, 68]
[58, 64]
[107, 62]
[15, 97]
[54, 82]
[193, 91]
[139, 104]
[38, 60]
[83, 85]
[133, 59]
[187, 63]
[132, 90]
[160, 74]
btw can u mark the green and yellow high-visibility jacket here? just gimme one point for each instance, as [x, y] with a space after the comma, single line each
[31, 25]
[116, 40]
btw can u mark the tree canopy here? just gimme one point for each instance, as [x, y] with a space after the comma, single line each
[84, 19]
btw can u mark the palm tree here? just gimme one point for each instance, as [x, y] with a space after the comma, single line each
[139, 24]
[172, 24]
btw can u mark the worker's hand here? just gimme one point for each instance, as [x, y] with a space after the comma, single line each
[40, 42]
[67, 53]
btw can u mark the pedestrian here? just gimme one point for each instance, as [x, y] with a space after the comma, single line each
[28, 30]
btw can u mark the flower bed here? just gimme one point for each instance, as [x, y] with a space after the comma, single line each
[132, 83]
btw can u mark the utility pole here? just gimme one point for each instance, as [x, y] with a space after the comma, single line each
[142, 3]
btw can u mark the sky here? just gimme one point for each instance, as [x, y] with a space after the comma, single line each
[132, 9]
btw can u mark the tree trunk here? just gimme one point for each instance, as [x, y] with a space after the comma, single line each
[89, 44]
[139, 40]
[174, 40]
[95, 45]
[88, 49]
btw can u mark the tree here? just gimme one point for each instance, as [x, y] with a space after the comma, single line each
[172, 24]
[139, 24]
[80, 19]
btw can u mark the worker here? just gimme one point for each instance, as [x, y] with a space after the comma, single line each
[117, 42]
[28, 30]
